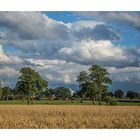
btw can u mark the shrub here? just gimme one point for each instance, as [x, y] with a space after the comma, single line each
[110, 101]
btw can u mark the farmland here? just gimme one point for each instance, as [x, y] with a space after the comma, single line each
[70, 116]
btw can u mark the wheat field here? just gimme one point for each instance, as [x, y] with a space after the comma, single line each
[69, 116]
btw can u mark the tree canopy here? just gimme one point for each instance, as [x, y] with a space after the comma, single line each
[119, 93]
[62, 92]
[30, 83]
[94, 83]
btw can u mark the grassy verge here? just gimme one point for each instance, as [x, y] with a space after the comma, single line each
[128, 103]
[45, 102]
[62, 102]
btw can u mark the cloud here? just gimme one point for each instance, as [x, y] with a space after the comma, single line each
[127, 74]
[93, 30]
[98, 52]
[9, 68]
[28, 30]
[8, 72]
[57, 70]
[8, 59]
[46, 63]
[127, 18]
[32, 25]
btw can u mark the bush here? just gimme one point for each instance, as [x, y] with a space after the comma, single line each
[110, 101]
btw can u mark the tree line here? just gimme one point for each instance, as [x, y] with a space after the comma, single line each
[93, 85]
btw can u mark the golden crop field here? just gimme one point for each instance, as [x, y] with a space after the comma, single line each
[69, 116]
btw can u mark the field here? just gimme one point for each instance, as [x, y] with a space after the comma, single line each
[69, 116]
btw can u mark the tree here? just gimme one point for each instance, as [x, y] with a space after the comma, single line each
[42, 86]
[62, 92]
[49, 92]
[6, 92]
[76, 94]
[1, 89]
[30, 83]
[110, 94]
[110, 100]
[15, 94]
[20, 90]
[132, 95]
[95, 83]
[83, 80]
[107, 95]
[100, 78]
[119, 93]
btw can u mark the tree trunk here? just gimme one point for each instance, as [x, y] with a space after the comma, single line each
[31, 98]
[28, 100]
[93, 101]
[7, 97]
[99, 101]
[81, 100]
[20, 98]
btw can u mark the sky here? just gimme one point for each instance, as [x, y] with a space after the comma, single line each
[59, 45]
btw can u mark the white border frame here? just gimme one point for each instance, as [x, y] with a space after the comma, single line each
[71, 134]
[70, 5]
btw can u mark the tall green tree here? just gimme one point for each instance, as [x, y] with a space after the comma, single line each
[83, 80]
[100, 79]
[94, 83]
[30, 83]
[1, 89]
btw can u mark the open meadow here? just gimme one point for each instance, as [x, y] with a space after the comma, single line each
[69, 116]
